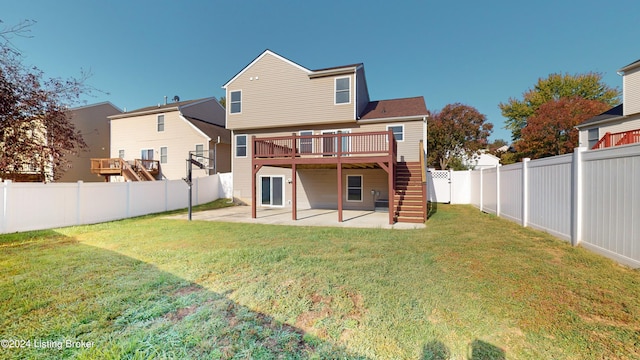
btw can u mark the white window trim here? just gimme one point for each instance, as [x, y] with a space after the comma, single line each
[284, 201]
[195, 151]
[164, 122]
[229, 104]
[335, 90]
[160, 155]
[344, 131]
[235, 146]
[147, 149]
[346, 195]
[312, 140]
[404, 134]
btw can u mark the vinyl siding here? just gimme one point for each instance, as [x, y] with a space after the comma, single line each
[628, 124]
[631, 90]
[92, 122]
[276, 93]
[362, 96]
[136, 133]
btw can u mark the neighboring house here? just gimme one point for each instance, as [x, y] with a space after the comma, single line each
[313, 139]
[481, 161]
[162, 136]
[93, 123]
[619, 125]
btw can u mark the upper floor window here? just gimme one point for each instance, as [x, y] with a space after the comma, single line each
[241, 145]
[594, 137]
[199, 152]
[343, 90]
[236, 102]
[398, 131]
[160, 122]
[121, 154]
[163, 155]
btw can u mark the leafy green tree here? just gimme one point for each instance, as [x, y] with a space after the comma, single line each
[588, 86]
[456, 132]
[223, 101]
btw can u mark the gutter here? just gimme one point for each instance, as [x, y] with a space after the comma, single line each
[617, 118]
[394, 119]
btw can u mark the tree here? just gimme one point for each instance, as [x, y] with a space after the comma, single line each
[223, 101]
[551, 130]
[588, 86]
[35, 131]
[456, 132]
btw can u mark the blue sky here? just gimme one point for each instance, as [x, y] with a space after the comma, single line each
[479, 53]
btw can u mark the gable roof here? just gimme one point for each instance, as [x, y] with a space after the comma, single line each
[613, 113]
[395, 108]
[631, 66]
[176, 106]
[211, 130]
[265, 53]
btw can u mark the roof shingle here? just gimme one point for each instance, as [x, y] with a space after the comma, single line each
[393, 108]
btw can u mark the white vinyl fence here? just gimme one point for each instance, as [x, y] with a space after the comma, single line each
[37, 206]
[591, 198]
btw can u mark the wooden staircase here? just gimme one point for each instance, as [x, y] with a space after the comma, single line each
[409, 200]
[138, 170]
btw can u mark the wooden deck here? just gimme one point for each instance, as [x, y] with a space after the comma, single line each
[137, 170]
[617, 139]
[335, 150]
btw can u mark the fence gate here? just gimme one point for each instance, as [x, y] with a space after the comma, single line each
[439, 186]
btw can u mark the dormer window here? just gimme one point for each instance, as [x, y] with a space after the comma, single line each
[343, 90]
[236, 102]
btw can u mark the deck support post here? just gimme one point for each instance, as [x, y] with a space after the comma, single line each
[339, 170]
[392, 192]
[294, 195]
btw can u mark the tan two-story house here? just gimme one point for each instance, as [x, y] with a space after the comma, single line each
[162, 136]
[313, 139]
[619, 125]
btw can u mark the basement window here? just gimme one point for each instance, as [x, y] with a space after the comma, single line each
[354, 187]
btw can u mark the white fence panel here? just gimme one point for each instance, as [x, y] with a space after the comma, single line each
[511, 192]
[460, 187]
[177, 194]
[490, 190]
[146, 198]
[440, 186]
[476, 188]
[29, 206]
[611, 203]
[550, 186]
[103, 202]
[226, 185]
[42, 205]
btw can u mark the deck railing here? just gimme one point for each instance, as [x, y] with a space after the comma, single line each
[617, 139]
[325, 145]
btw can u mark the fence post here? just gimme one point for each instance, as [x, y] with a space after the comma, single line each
[5, 214]
[498, 190]
[525, 191]
[481, 188]
[78, 202]
[576, 196]
[128, 200]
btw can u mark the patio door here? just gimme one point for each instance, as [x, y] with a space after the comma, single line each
[146, 154]
[330, 144]
[272, 190]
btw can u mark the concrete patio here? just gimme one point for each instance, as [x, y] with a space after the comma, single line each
[306, 217]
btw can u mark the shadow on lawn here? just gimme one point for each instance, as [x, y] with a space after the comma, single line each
[478, 350]
[130, 309]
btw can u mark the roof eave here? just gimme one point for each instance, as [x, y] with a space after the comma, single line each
[394, 119]
[147, 112]
[599, 122]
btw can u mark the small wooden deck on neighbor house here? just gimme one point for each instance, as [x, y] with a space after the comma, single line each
[617, 139]
[137, 170]
[366, 150]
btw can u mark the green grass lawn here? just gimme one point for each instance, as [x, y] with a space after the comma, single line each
[470, 286]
